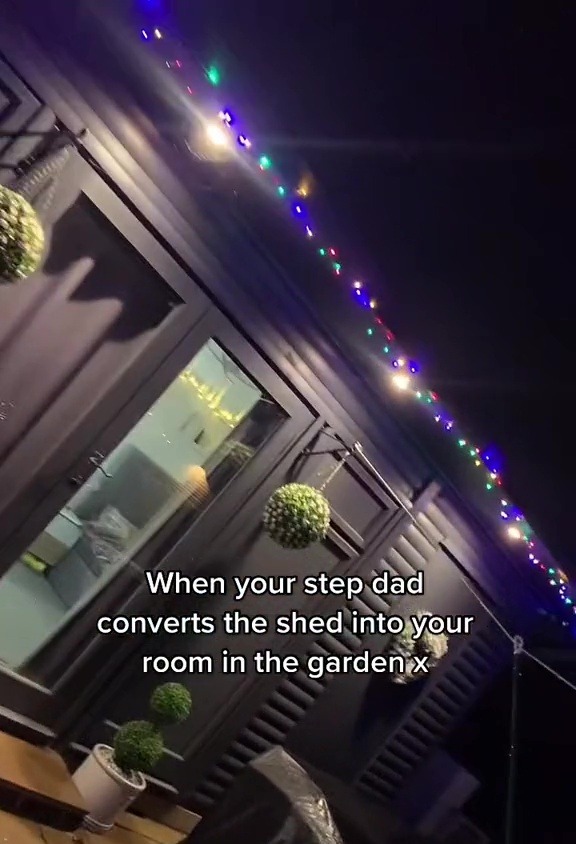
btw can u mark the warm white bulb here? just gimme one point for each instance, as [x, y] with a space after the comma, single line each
[401, 381]
[358, 285]
[157, 34]
[216, 135]
[514, 532]
[373, 304]
[401, 362]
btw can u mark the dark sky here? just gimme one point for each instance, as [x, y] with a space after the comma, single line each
[442, 138]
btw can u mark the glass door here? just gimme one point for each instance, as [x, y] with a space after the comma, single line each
[167, 457]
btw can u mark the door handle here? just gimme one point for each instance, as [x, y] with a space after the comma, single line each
[96, 460]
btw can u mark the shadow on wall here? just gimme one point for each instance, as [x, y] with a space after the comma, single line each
[94, 290]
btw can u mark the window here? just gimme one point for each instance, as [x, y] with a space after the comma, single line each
[199, 434]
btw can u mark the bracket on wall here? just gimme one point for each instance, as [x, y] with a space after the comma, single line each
[48, 142]
[328, 432]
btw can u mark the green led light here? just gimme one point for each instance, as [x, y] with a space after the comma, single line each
[337, 266]
[370, 332]
[418, 394]
[281, 190]
[386, 350]
[472, 452]
[213, 75]
[489, 486]
[322, 252]
[264, 162]
[551, 571]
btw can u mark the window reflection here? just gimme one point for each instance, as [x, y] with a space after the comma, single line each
[199, 434]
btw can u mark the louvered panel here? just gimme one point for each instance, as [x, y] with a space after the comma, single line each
[388, 780]
[419, 541]
[300, 695]
[432, 706]
[429, 720]
[458, 684]
[446, 708]
[253, 738]
[292, 710]
[301, 682]
[435, 715]
[435, 523]
[318, 649]
[397, 563]
[427, 734]
[298, 692]
[244, 749]
[266, 730]
[375, 792]
[413, 743]
[229, 767]
[369, 603]
[406, 754]
[337, 645]
[398, 766]
[274, 716]
[209, 793]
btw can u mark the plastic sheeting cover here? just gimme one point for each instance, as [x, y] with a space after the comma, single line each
[273, 801]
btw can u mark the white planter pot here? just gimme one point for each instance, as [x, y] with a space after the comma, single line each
[106, 791]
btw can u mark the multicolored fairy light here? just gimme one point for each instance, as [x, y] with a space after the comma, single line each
[405, 377]
[213, 75]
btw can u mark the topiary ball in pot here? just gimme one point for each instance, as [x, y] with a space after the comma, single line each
[297, 516]
[138, 746]
[170, 704]
[21, 237]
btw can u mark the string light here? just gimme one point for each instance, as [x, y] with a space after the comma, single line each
[304, 188]
[216, 136]
[401, 381]
[403, 377]
[213, 75]
[226, 117]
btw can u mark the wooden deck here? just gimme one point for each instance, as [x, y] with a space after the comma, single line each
[39, 804]
[130, 830]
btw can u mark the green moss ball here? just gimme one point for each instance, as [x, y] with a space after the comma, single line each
[21, 237]
[171, 703]
[138, 746]
[297, 516]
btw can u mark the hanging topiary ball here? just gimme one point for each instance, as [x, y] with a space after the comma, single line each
[297, 516]
[21, 237]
